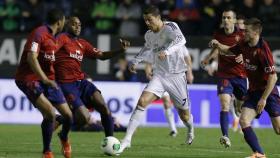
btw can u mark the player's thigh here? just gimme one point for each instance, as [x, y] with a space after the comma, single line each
[177, 89]
[45, 107]
[225, 100]
[98, 103]
[146, 98]
[276, 124]
[155, 87]
[81, 115]
[247, 116]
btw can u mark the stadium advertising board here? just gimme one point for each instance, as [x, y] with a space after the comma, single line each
[121, 97]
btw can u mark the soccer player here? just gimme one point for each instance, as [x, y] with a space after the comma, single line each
[231, 75]
[164, 44]
[35, 77]
[79, 92]
[263, 93]
[166, 98]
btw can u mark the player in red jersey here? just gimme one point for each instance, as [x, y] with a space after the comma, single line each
[35, 77]
[231, 75]
[78, 91]
[263, 93]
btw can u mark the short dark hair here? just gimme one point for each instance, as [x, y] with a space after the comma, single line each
[151, 9]
[255, 23]
[54, 15]
[230, 10]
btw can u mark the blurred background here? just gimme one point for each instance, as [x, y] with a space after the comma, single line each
[103, 22]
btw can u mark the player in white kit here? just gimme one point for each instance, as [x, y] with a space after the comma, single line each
[169, 115]
[164, 47]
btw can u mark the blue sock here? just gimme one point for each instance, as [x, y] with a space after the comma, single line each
[252, 139]
[65, 128]
[47, 131]
[224, 122]
[108, 124]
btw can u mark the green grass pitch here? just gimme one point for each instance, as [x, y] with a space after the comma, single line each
[24, 141]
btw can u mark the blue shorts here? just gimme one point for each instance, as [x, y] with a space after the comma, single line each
[236, 86]
[34, 89]
[272, 106]
[78, 93]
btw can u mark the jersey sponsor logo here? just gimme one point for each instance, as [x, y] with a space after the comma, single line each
[77, 55]
[269, 69]
[34, 46]
[50, 56]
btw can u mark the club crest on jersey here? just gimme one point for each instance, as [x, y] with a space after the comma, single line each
[50, 56]
[77, 55]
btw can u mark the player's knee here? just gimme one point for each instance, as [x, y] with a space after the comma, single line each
[142, 102]
[225, 106]
[184, 117]
[244, 122]
[50, 115]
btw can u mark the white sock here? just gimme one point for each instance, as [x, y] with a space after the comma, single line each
[189, 123]
[134, 122]
[170, 119]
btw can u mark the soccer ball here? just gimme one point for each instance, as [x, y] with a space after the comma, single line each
[110, 146]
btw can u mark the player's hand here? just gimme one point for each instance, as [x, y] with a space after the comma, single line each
[213, 43]
[190, 77]
[132, 68]
[239, 59]
[50, 83]
[149, 75]
[124, 44]
[261, 105]
[203, 63]
[162, 55]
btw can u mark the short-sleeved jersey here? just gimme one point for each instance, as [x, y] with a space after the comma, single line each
[69, 57]
[40, 41]
[227, 68]
[258, 61]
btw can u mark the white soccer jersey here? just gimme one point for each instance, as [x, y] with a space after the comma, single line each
[169, 40]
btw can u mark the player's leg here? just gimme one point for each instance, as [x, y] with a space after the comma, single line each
[34, 91]
[99, 104]
[235, 122]
[56, 97]
[177, 89]
[47, 125]
[145, 99]
[169, 115]
[225, 90]
[246, 118]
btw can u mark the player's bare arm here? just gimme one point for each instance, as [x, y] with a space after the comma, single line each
[269, 87]
[110, 54]
[36, 68]
[189, 73]
[148, 71]
[212, 55]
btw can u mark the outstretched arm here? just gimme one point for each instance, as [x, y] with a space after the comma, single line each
[110, 54]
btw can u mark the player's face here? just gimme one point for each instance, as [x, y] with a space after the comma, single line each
[61, 24]
[228, 19]
[240, 23]
[152, 22]
[75, 26]
[249, 33]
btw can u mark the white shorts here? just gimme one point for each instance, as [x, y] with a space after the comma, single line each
[175, 85]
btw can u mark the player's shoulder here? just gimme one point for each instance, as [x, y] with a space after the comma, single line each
[40, 30]
[171, 25]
